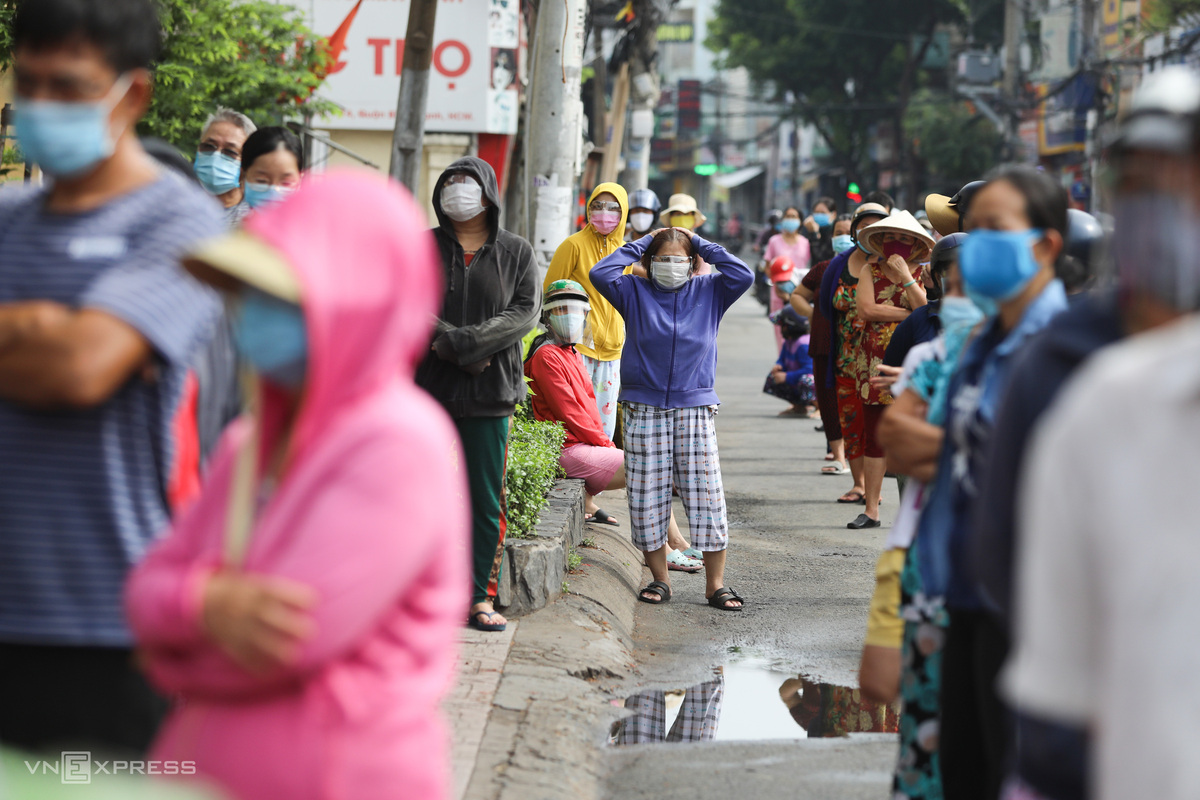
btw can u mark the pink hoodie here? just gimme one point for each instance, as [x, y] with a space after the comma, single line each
[370, 514]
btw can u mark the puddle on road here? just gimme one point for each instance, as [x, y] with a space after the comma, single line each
[748, 700]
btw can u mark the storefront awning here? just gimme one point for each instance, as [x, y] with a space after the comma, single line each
[731, 179]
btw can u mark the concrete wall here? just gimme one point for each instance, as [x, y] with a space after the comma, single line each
[441, 149]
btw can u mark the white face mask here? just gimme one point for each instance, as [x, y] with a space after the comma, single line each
[462, 201]
[670, 272]
[641, 221]
[568, 328]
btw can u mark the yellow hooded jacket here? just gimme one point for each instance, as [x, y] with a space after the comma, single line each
[574, 259]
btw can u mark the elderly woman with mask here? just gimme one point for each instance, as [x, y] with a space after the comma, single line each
[891, 291]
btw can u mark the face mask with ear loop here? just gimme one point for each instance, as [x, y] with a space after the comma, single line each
[670, 273]
[68, 139]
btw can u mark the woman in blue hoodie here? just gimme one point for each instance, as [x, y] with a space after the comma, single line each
[668, 369]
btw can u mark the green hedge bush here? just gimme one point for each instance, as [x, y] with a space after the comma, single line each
[533, 450]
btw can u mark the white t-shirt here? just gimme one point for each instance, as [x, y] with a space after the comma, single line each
[1108, 598]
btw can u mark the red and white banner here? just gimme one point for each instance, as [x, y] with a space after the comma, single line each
[472, 81]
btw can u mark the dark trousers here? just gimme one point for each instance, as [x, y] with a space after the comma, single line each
[827, 400]
[55, 698]
[975, 724]
[485, 441]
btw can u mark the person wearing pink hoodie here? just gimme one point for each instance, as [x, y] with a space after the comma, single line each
[304, 611]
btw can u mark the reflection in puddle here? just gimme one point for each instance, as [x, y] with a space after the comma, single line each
[748, 700]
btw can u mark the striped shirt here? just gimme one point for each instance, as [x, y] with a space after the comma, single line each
[83, 493]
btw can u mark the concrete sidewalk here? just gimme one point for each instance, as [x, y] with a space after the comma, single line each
[530, 706]
[481, 658]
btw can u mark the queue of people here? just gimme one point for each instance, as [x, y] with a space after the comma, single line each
[1017, 391]
[196, 583]
[232, 587]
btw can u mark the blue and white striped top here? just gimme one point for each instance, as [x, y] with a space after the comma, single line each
[83, 493]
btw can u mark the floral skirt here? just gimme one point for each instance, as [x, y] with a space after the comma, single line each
[918, 768]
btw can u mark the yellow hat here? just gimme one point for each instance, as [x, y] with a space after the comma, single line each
[245, 258]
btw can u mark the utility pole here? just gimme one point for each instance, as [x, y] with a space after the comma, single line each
[409, 135]
[1013, 22]
[555, 110]
[615, 130]
[646, 90]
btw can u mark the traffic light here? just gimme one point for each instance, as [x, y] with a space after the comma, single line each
[852, 193]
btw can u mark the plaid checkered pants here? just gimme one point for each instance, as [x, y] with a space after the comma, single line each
[679, 446]
[697, 720]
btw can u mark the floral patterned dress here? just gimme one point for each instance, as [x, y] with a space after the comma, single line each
[875, 336]
[918, 773]
[848, 328]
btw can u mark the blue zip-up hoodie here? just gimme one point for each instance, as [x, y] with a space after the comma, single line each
[670, 355]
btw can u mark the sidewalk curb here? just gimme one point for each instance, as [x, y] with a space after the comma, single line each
[550, 715]
[534, 568]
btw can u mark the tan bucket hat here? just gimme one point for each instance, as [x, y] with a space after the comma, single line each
[681, 204]
[901, 222]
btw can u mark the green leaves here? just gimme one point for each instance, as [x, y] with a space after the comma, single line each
[253, 56]
[533, 450]
[956, 145]
[844, 60]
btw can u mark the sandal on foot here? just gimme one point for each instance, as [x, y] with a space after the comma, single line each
[723, 596]
[863, 521]
[835, 468]
[486, 627]
[655, 587]
[853, 497]
[602, 517]
[681, 563]
[692, 552]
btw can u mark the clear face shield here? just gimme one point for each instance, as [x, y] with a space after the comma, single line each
[566, 321]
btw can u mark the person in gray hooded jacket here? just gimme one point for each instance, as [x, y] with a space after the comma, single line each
[493, 298]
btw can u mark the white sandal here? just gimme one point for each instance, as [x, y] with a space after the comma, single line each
[834, 468]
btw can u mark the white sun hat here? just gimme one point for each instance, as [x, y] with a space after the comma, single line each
[897, 222]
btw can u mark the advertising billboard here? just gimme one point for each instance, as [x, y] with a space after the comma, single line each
[472, 81]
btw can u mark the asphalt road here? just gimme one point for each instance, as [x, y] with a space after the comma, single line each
[807, 581]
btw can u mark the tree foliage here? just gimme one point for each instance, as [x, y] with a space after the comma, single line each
[952, 144]
[849, 63]
[250, 55]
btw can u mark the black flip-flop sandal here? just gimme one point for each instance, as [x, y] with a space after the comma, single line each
[658, 587]
[486, 627]
[853, 498]
[724, 595]
[602, 517]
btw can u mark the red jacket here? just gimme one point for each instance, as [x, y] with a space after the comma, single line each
[562, 392]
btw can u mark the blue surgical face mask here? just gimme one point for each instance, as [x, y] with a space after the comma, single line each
[68, 139]
[259, 195]
[217, 172]
[790, 225]
[841, 243]
[955, 311]
[271, 335]
[998, 264]
[822, 219]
